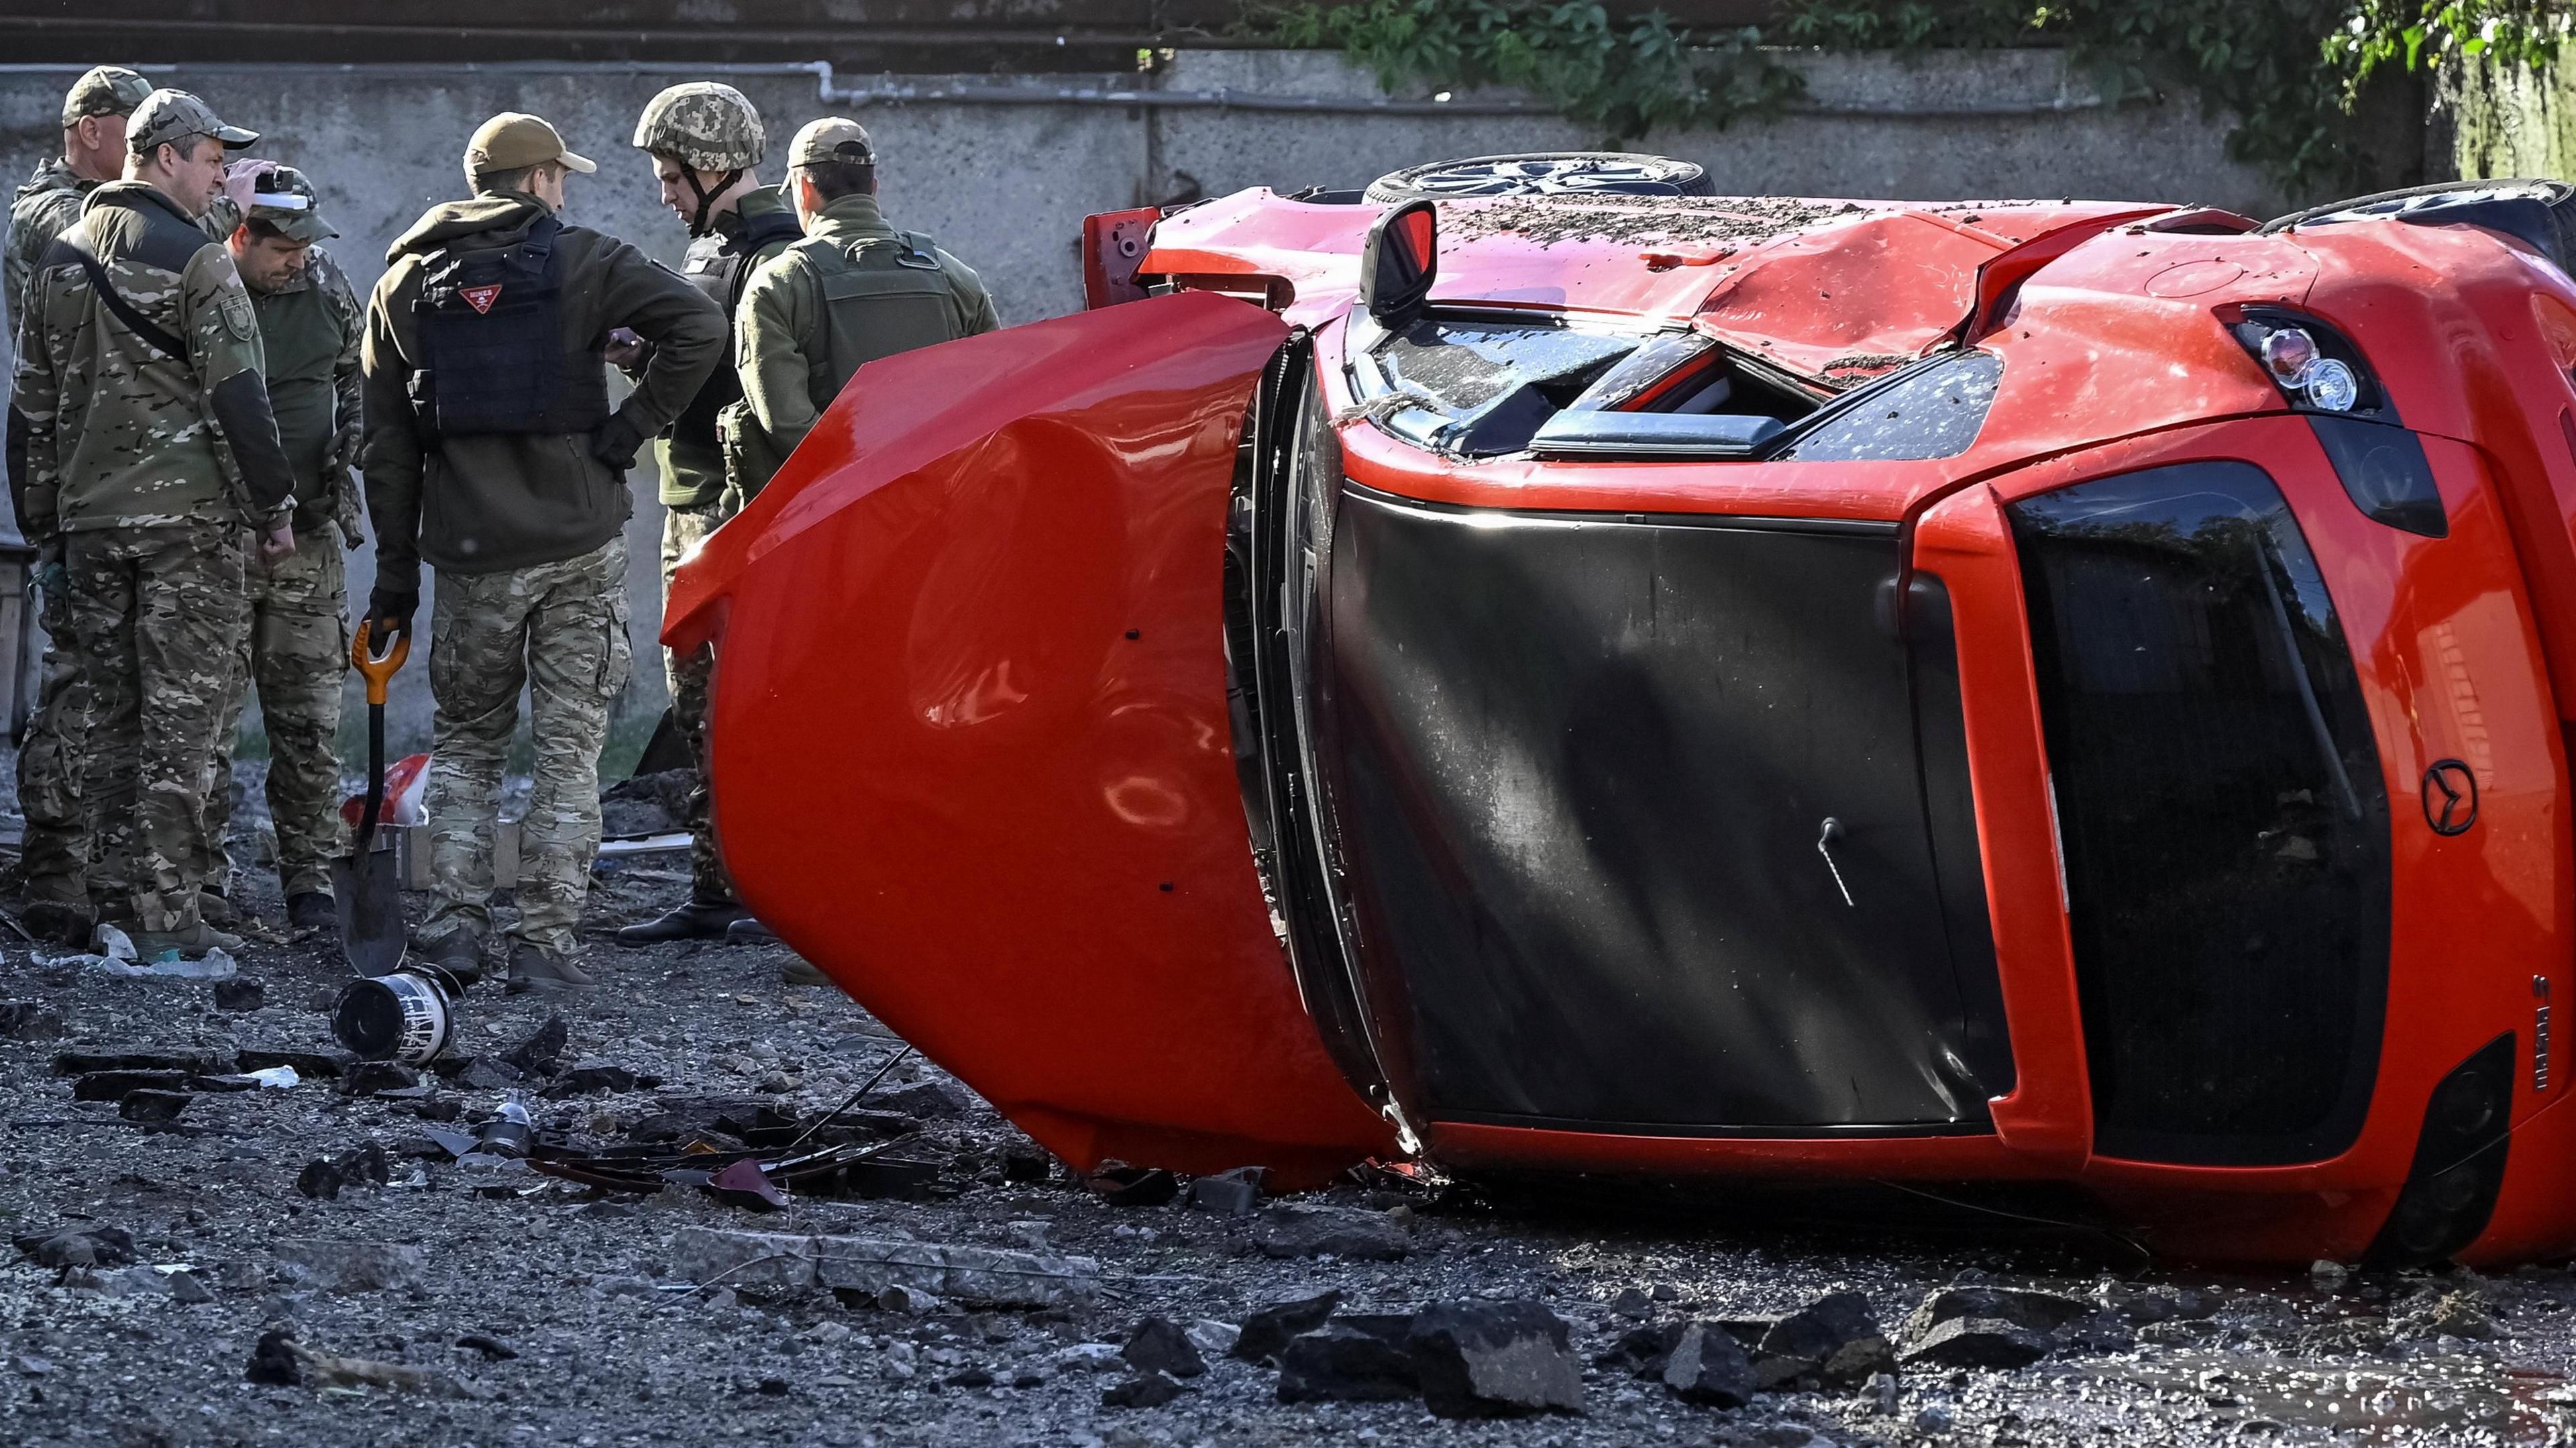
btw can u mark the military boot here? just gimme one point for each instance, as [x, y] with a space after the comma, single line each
[217, 909]
[696, 920]
[459, 953]
[535, 968]
[799, 971]
[749, 931]
[189, 944]
[59, 922]
[311, 910]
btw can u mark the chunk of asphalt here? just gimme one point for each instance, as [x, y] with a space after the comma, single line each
[2038, 1311]
[1158, 1345]
[30, 1021]
[1816, 1330]
[1494, 1360]
[1145, 1390]
[1706, 1365]
[376, 1078]
[306, 1063]
[541, 1054]
[977, 1276]
[153, 1108]
[1976, 1342]
[1330, 1232]
[78, 1247]
[341, 1266]
[117, 1085]
[1121, 1185]
[1337, 1364]
[1642, 1351]
[1235, 1193]
[139, 1058]
[1857, 1361]
[239, 994]
[1267, 1332]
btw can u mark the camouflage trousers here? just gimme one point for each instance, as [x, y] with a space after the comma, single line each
[683, 528]
[56, 853]
[296, 653]
[159, 617]
[559, 629]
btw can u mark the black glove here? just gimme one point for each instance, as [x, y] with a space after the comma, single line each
[615, 442]
[389, 612]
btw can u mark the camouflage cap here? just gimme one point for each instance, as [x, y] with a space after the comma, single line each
[174, 115]
[708, 126]
[831, 139]
[514, 139]
[285, 199]
[103, 90]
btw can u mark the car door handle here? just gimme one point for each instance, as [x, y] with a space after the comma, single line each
[1825, 839]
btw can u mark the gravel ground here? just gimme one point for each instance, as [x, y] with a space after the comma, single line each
[612, 1344]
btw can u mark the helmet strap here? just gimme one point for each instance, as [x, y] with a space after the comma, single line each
[706, 198]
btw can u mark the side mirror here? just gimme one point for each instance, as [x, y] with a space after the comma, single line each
[1401, 263]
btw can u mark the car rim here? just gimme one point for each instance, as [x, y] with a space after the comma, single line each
[1548, 175]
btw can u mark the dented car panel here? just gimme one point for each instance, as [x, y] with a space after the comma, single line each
[1735, 688]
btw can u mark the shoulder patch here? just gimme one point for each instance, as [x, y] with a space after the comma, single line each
[234, 306]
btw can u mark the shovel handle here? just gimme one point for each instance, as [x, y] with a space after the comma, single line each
[378, 671]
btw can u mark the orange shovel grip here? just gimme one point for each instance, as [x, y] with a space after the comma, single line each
[377, 671]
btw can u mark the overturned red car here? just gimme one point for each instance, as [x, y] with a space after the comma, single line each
[1544, 672]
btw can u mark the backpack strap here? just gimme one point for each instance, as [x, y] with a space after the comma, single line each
[63, 251]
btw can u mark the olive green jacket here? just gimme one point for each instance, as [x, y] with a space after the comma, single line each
[314, 331]
[488, 502]
[118, 432]
[781, 339]
[693, 474]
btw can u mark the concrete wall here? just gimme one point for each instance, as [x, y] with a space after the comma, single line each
[1006, 186]
[2512, 123]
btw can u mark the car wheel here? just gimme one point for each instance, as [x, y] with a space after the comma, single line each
[1544, 173]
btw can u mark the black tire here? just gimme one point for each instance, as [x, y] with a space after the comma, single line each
[1544, 173]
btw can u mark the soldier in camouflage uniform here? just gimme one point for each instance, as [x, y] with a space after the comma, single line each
[297, 648]
[151, 447]
[706, 143]
[853, 290]
[56, 903]
[491, 451]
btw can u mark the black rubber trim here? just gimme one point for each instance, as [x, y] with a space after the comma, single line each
[2451, 1190]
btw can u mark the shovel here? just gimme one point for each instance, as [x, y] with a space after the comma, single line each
[363, 883]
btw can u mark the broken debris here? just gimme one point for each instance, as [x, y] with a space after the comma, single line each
[1706, 1365]
[1330, 1232]
[1494, 1359]
[1158, 1345]
[981, 1276]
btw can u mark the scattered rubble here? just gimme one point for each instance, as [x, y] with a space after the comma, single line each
[528, 1242]
[1330, 1232]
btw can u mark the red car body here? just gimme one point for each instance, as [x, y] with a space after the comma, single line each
[1223, 729]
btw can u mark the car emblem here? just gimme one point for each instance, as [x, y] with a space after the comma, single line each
[2450, 797]
[480, 298]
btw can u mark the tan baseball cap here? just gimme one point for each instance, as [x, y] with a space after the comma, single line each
[103, 90]
[514, 139]
[174, 115]
[831, 139]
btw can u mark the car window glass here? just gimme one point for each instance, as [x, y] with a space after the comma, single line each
[1933, 412]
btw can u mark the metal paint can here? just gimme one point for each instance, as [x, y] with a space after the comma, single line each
[398, 1017]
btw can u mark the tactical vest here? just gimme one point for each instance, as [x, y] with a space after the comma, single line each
[720, 266]
[880, 297]
[492, 356]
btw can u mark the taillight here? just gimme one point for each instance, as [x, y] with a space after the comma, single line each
[2316, 367]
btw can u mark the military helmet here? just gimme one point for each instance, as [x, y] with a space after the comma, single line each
[709, 127]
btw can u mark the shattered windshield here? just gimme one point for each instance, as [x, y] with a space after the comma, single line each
[1933, 411]
[1482, 387]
